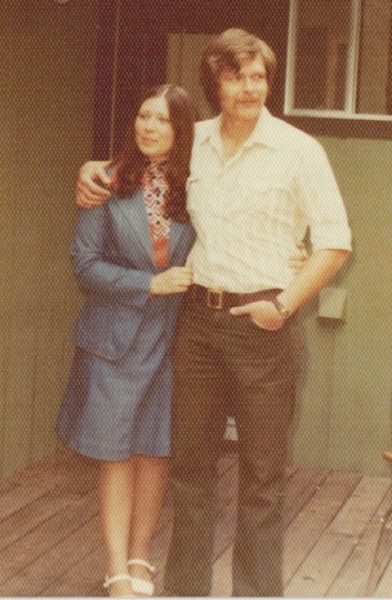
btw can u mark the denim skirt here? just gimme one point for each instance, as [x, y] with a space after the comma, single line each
[113, 410]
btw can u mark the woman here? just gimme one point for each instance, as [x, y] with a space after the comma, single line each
[128, 256]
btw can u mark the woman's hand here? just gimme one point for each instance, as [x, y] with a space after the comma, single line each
[298, 261]
[92, 185]
[264, 314]
[173, 281]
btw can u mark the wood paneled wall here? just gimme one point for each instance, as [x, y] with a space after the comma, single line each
[46, 114]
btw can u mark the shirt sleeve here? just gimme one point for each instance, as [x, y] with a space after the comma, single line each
[320, 199]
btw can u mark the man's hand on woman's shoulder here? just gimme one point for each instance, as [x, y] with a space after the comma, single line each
[92, 187]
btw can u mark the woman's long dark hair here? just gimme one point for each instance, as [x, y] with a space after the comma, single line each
[130, 164]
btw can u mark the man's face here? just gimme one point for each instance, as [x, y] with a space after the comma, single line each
[243, 93]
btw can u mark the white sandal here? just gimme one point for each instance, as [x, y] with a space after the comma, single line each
[142, 586]
[109, 580]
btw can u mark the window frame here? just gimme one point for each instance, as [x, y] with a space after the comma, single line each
[346, 122]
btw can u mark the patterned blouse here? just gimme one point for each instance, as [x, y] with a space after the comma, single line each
[155, 190]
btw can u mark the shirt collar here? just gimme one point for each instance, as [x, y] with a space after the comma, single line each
[265, 132]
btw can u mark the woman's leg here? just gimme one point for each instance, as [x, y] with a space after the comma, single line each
[130, 498]
[115, 496]
[149, 489]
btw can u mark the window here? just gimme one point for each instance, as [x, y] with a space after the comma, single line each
[339, 62]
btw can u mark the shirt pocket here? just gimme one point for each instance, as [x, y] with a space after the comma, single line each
[264, 183]
[269, 196]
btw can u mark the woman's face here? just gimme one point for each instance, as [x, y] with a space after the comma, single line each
[153, 129]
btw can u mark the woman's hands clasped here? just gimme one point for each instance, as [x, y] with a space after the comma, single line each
[172, 281]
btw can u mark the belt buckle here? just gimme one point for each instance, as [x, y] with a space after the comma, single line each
[215, 299]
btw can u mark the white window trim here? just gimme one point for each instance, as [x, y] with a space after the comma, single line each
[351, 79]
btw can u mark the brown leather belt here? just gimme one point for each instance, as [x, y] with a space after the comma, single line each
[220, 300]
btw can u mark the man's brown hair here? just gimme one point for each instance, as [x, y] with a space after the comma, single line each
[226, 51]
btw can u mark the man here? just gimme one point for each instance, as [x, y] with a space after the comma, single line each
[256, 183]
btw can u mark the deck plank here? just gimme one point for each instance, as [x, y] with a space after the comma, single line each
[354, 578]
[300, 488]
[22, 495]
[31, 516]
[361, 507]
[304, 532]
[322, 565]
[41, 540]
[44, 576]
[384, 587]
[54, 485]
[83, 562]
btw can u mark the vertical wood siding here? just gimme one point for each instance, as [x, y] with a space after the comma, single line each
[48, 70]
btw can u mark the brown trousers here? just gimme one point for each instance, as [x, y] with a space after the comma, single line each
[226, 365]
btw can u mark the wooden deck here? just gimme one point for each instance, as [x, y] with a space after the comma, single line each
[50, 541]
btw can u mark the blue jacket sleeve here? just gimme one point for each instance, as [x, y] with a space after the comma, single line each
[98, 268]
